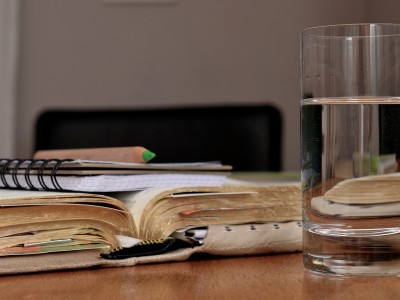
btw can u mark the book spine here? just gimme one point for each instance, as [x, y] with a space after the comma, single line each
[30, 174]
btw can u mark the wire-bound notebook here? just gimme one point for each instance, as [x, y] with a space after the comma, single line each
[44, 230]
[105, 176]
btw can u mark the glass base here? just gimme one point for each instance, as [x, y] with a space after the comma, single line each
[380, 264]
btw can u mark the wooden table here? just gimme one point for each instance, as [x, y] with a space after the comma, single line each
[262, 277]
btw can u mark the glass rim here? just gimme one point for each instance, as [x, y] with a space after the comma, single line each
[318, 31]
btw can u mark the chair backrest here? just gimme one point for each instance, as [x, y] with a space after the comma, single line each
[246, 137]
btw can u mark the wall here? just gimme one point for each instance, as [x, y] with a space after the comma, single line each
[83, 53]
[383, 11]
[9, 23]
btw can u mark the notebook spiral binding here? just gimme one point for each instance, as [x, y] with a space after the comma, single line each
[26, 167]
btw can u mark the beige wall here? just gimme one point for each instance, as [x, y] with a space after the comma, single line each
[384, 11]
[83, 53]
[9, 37]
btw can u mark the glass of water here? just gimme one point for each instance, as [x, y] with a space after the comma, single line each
[350, 145]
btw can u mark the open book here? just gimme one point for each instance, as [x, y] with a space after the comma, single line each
[363, 197]
[106, 176]
[170, 222]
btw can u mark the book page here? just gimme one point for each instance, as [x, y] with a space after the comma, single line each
[137, 201]
[221, 205]
[14, 194]
[11, 216]
[343, 210]
[371, 189]
[160, 211]
[28, 213]
[29, 231]
[14, 197]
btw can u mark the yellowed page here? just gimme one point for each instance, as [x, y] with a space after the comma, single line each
[233, 205]
[155, 211]
[25, 212]
[137, 201]
[16, 197]
[142, 201]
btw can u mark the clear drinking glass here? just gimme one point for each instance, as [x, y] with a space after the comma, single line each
[350, 143]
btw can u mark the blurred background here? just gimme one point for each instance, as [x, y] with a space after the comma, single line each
[80, 54]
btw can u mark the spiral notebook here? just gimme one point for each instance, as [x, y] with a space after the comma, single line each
[106, 176]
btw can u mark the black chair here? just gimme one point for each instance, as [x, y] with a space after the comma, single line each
[246, 137]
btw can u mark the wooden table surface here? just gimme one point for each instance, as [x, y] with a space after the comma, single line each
[262, 277]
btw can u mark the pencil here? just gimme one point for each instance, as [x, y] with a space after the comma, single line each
[135, 154]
